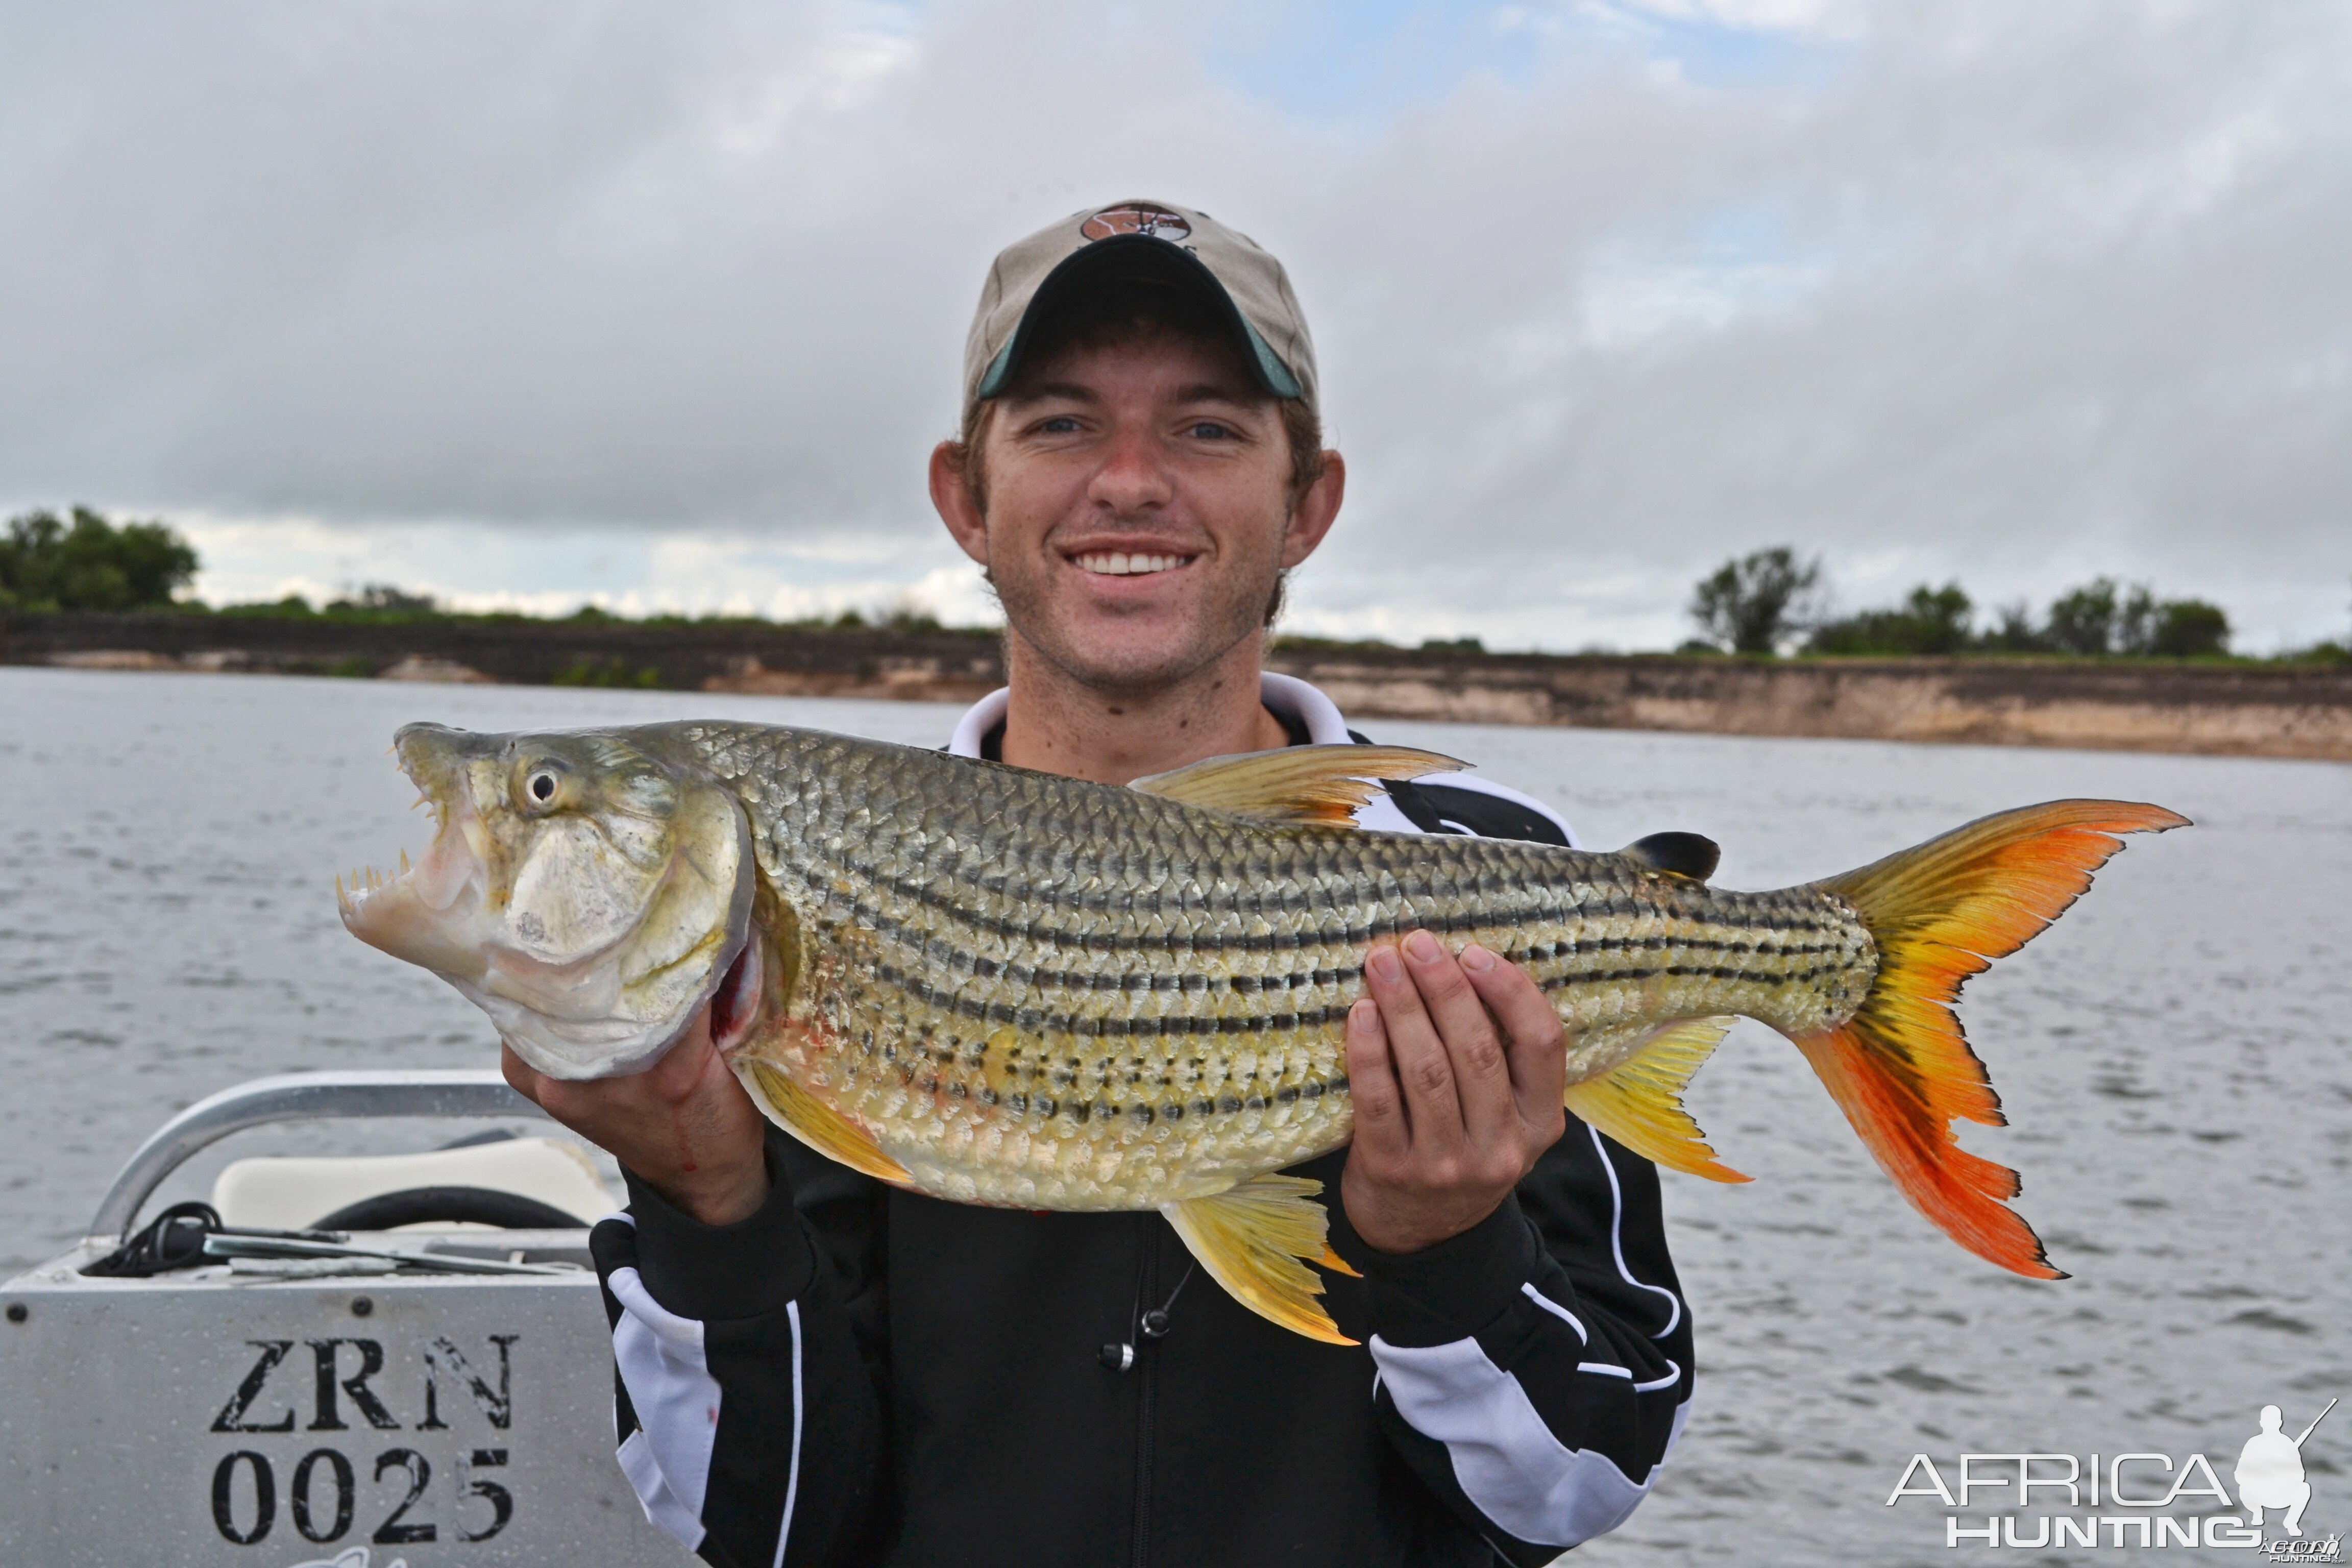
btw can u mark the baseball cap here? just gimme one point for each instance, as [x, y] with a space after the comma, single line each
[1153, 241]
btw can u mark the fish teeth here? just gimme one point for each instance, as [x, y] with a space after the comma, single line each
[404, 862]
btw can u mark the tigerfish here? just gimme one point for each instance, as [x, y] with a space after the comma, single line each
[1006, 987]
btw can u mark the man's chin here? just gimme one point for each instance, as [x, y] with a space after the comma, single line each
[1135, 656]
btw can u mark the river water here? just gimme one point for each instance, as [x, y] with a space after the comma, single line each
[2175, 1054]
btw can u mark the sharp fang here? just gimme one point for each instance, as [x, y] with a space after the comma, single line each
[404, 862]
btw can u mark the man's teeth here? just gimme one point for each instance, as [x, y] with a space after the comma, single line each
[1118, 564]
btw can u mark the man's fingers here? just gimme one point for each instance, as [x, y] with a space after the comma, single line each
[1425, 1071]
[1384, 1131]
[1531, 1024]
[1482, 1075]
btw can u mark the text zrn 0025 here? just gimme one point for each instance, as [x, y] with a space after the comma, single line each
[321, 1487]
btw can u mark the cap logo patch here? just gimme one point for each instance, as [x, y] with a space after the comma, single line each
[1158, 223]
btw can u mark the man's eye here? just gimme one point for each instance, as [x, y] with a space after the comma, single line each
[1209, 430]
[1060, 425]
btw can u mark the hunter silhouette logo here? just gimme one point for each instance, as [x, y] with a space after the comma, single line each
[2141, 1499]
[1158, 223]
[2270, 1472]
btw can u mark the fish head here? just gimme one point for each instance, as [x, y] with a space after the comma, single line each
[586, 889]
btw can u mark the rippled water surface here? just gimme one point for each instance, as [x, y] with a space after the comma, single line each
[2175, 1057]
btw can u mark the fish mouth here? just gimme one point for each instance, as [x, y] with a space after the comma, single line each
[468, 910]
[414, 913]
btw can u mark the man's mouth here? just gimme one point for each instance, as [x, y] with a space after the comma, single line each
[1125, 563]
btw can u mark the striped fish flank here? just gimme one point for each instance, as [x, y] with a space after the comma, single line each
[1005, 987]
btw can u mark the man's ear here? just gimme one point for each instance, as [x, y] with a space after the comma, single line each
[1318, 509]
[951, 497]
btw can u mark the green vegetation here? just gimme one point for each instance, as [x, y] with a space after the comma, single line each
[1933, 620]
[1757, 603]
[2094, 620]
[82, 562]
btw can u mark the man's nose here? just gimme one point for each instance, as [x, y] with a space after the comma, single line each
[1133, 475]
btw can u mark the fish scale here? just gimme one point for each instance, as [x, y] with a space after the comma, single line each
[1036, 992]
[1007, 987]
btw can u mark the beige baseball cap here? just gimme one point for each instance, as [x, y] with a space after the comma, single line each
[1153, 240]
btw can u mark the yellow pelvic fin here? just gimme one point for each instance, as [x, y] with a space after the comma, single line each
[816, 1124]
[1251, 1237]
[1296, 784]
[1639, 1102]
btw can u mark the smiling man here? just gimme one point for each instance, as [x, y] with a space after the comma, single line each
[815, 1368]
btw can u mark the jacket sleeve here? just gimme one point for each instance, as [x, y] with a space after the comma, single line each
[1536, 1369]
[748, 1421]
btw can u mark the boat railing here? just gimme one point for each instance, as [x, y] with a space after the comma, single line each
[297, 1097]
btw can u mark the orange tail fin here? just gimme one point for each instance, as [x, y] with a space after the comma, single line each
[1900, 1068]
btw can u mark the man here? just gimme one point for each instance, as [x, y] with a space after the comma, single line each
[814, 1368]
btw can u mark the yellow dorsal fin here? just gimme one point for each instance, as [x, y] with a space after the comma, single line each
[816, 1124]
[1296, 783]
[1639, 1102]
[1251, 1237]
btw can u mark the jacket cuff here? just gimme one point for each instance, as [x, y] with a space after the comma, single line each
[718, 1271]
[1457, 1288]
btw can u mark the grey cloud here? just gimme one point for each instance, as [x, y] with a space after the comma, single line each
[2009, 293]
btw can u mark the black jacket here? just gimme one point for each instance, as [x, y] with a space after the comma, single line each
[858, 1374]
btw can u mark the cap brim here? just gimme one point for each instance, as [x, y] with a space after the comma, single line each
[1143, 257]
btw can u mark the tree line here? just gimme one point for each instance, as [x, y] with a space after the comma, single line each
[1766, 602]
[82, 562]
[1770, 600]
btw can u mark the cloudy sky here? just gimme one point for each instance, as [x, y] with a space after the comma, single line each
[662, 306]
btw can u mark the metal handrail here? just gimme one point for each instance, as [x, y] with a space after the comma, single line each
[294, 1096]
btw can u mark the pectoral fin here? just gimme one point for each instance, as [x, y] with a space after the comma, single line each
[1296, 784]
[1251, 1237]
[1639, 1102]
[816, 1124]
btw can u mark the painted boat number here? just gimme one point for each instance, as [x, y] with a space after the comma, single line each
[322, 1488]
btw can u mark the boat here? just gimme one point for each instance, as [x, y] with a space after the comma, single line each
[295, 1376]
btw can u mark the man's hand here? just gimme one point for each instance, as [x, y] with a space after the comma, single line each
[1449, 1114]
[683, 1124]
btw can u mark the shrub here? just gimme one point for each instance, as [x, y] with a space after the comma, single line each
[1932, 621]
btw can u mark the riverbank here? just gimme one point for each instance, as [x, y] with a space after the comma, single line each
[2223, 708]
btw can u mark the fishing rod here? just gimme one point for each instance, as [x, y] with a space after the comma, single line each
[2315, 1424]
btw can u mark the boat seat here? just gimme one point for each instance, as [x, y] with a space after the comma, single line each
[287, 1192]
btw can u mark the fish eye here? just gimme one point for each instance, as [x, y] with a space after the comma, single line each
[541, 785]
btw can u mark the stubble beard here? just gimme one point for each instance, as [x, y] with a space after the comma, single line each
[1131, 669]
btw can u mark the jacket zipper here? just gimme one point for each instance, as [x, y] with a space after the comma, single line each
[1147, 1354]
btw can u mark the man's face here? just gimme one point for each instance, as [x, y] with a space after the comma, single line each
[1139, 510]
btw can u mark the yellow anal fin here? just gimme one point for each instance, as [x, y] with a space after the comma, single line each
[816, 1124]
[1251, 1237]
[1297, 784]
[1639, 1102]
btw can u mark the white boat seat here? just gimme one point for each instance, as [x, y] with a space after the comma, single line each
[288, 1193]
